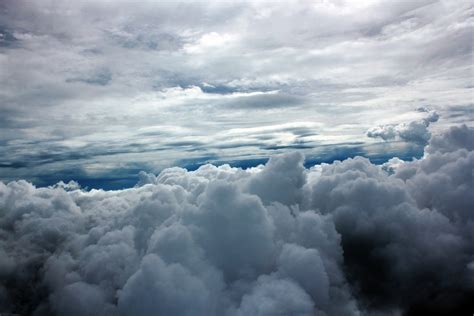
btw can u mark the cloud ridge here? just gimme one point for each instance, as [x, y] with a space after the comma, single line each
[346, 238]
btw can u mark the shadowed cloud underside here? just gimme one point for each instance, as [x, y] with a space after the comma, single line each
[346, 238]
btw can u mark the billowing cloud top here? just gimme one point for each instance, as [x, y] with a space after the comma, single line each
[103, 89]
[415, 131]
[346, 238]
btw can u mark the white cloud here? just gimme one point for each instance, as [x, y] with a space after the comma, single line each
[414, 131]
[209, 42]
[345, 238]
[94, 74]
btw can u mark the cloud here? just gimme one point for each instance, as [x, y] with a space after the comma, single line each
[415, 131]
[97, 91]
[276, 296]
[101, 78]
[345, 238]
[157, 288]
[457, 137]
[91, 76]
[386, 132]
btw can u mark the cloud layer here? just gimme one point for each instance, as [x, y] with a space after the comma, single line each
[87, 86]
[346, 238]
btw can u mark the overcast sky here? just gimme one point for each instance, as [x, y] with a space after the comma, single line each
[103, 89]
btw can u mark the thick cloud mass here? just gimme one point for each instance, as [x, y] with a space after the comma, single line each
[347, 238]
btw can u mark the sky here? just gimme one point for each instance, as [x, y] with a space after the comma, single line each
[238, 158]
[96, 91]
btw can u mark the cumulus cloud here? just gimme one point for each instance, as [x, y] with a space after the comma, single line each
[346, 238]
[454, 139]
[414, 131]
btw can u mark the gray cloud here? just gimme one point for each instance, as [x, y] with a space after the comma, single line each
[452, 140]
[79, 75]
[101, 78]
[345, 238]
[265, 101]
[96, 91]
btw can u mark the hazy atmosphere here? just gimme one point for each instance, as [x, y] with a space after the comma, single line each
[237, 158]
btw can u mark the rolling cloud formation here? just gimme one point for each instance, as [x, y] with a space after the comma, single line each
[346, 238]
[414, 131]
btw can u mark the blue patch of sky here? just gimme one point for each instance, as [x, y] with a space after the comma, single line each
[128, 176]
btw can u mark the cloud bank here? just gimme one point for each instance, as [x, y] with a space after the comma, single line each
[87, 86]
[346, 238]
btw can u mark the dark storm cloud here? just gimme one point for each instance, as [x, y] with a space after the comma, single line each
[344, 238]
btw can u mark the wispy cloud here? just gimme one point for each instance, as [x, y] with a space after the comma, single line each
[83, 80]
